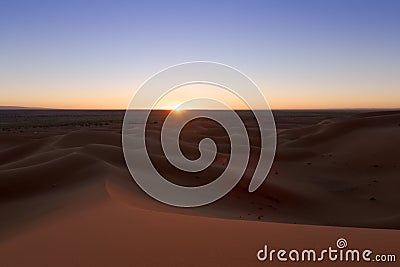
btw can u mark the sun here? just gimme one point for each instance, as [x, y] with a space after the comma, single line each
[177, 109]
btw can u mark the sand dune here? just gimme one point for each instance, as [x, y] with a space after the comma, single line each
[67, 198]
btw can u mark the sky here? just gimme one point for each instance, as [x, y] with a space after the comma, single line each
[301, 54]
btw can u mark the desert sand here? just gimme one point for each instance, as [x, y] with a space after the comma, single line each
[67, 198]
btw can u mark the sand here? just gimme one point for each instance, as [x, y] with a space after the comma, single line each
[67, 198]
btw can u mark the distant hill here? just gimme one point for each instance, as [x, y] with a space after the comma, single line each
[20, 108]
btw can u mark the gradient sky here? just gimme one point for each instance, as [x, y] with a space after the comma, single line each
[302, 54]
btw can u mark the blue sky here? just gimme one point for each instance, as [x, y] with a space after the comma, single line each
[302, 54]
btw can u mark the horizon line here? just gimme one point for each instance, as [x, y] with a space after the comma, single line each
[21, 108]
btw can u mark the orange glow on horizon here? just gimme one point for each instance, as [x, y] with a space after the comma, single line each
[279, 98]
